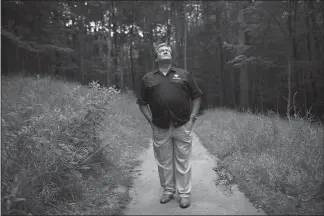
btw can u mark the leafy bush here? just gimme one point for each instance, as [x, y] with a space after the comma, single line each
[49, 137]
[277, 162]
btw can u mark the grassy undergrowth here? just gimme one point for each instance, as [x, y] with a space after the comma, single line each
[126, 135]
[277, 163]
[65, 148]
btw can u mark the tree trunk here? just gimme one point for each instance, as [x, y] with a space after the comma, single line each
[289, 87]
[151, 49]
[81, 43]
[122, 68]
[39, 68]
[244, 81]
[176, 33]
[261, 95]
[316, 50]
[294, 42]
[108, 54]
[289, 57]
[131, 58]
[180, 23]
[19, 66]
[184, 38]
[309, 52]
[220, 63]
[231, 73]
[168, 22]
[114, 52]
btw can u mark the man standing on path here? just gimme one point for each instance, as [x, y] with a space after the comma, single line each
[165, 101]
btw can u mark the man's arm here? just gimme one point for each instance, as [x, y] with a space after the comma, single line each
[146, 112]
[196, 94]
[142, 102]
[195, 108]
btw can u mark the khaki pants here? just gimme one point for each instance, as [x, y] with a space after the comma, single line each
[172, 150]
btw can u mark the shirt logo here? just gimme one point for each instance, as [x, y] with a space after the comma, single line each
[176, 76]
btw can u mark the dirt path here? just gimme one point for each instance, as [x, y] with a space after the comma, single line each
[207, 198]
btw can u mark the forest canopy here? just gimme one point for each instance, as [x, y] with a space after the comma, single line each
[262, 55]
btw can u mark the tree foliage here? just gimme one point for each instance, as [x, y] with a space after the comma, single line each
[253, 54]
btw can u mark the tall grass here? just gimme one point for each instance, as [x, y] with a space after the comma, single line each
[49, 133]
[126, 135]
[278, 163]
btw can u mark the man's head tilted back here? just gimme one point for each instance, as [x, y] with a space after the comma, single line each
[163, 52]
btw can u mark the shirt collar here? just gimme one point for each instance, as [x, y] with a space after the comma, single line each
[172, 69]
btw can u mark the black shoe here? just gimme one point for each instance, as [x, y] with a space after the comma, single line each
[184, 202]
[166, 198]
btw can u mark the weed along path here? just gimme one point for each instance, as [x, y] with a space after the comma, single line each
[207, 197]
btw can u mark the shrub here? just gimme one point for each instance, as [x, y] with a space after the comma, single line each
[49, 132]
[270, 157]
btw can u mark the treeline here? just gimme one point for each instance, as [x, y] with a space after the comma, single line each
[246, 54]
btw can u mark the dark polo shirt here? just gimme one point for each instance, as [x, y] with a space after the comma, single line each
[168, 96]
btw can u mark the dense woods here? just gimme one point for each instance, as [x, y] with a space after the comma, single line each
[256, 56]
[261, 55]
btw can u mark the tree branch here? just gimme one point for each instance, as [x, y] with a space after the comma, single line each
[33, 46]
